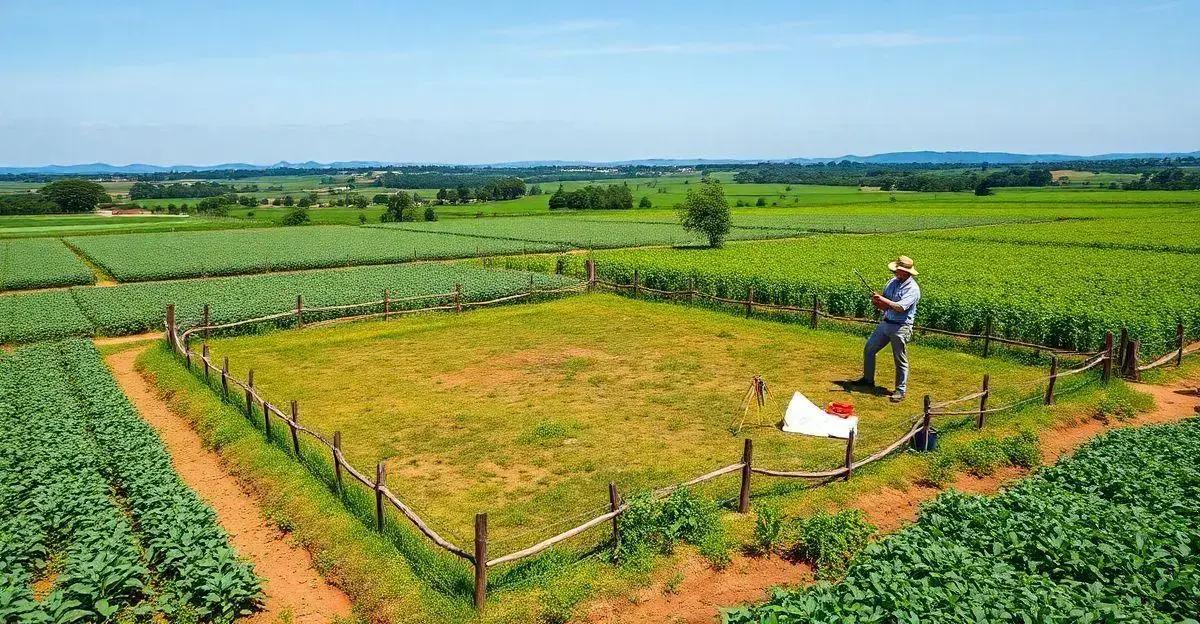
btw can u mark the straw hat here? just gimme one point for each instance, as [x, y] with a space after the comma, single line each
[903, 263]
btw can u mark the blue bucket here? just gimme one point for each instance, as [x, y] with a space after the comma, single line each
[926, 440]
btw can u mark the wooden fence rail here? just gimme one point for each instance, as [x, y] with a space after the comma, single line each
[478, 556]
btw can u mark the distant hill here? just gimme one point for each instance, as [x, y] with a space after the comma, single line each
[890, 158]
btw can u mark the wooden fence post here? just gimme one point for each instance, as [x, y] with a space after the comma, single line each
[531, 283]
[266, 419]
[987, 336]
[337, 461]
[480, 560]
[589, 266]
[187, 355]
[225, 379]
[983, 400]
[1179, 344]
[204, 360]
[249, 393]
[816, 311]
[1053, 377]
[380, 476]
[458, 297]
[295, 421]
[849, 455]
[387, 305]
[927, 421]
[691, 289]
[171, 326]
[299, 310]
[747, 459]
[636, 286]
[1134, 347]
[1106, 370]
[206, 320]
[1123, 346]
[749, 301]
[614, 502]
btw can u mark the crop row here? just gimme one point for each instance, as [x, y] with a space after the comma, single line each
[56, 501]
[40, 263]
[1109, 535]
[854, 219]
[584, 233]
[164, 256]
[133, 308]
[72, 443]
[1058, 296]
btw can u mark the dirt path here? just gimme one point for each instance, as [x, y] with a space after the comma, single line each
[292, 586]
[702, 591]
[112, 340]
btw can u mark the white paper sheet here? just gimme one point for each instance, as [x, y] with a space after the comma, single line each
[804, 417]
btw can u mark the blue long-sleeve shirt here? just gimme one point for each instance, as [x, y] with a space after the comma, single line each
[907, 294]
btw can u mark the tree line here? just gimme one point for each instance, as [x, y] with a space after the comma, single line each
[148, 190]
[1173, 179]
[593, 197]
[896, 178]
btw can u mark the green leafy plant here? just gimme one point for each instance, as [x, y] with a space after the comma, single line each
[653, 526]
[982, 457]
[768, 529]
[831, 541]
[940, 471]
[1022, 450]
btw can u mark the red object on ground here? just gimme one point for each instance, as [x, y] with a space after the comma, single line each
[837, 408]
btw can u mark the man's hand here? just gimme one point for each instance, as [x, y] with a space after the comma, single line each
[880, 302]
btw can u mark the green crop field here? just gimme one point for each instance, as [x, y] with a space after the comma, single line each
[1103, 536]
[1050, 295]
[273, 215]
[31, 226]
[133, 308]
[27, 317]
[1176, 233]
[40, 263]
[528, 411]
[93, 504]
[848, 219]
[566, 231]
[140, 257]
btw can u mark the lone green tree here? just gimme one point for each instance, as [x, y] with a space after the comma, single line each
[706, 212]
[74, 195]
[399, 208]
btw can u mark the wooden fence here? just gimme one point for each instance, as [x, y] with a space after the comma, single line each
[478, 555]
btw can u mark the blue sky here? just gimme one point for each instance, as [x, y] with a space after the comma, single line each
[206, 82]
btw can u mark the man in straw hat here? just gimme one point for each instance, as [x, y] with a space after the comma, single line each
[898, 302]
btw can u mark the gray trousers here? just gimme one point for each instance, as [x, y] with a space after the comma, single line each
[898, 336]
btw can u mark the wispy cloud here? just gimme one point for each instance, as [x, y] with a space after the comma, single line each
[664, 48]
[887, 39]
[564, 27]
